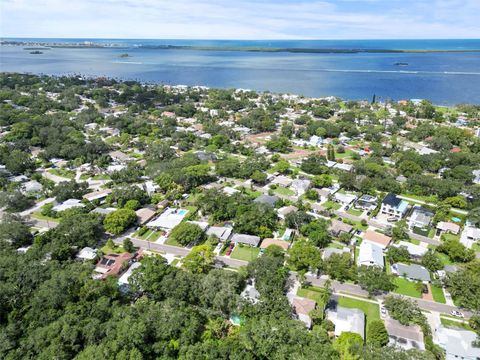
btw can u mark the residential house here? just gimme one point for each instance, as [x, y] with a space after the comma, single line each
[120, 156]
[144, 215]
[251, 240]
[123, 280]
[221, 232]
[168, 219]
[31, 187]
[344, 198]
[416, 251]
[112, 264]
[250, 293]
[394, 207]
[300, 186]
[376, 238]
[406, 337]
[370, 255]
[337, 228]
[284, 211]
[302, 308]
[68, 204]
[412, 272]
[476, 176]
[97, 195]
[444, 227]
[87, 253]
[347, 320]
[457, 343]
[420, 218]
[281, 180]
[366, 202]
[469, 236]
[267, 200]
[329, 251]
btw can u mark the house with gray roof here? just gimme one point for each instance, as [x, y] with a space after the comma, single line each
[338, 228]
[406, 337]
[267, 200]
[251, 240]
[412, 272]
[420, 218]
[221, 232]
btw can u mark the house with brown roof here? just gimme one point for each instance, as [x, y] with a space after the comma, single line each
[302, 308]
[378, 239]
[144, 215]
[112, 264]
[338, 227]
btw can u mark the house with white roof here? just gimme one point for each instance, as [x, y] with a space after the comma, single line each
[444, 227]
[469, 236]
[87, 253]
[300, 186]
[457, 343]
[344, 198]
[414, 250]
[68, 204]
[370, 255]
[347, 320]
[221, 232]
[168, 219]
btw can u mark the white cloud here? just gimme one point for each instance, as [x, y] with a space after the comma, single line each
[223, 19]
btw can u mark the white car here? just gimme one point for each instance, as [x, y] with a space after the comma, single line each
[383, 312]
[457, 313]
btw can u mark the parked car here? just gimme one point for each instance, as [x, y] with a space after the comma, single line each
[229, 250]
[383, 312]
[457, 313]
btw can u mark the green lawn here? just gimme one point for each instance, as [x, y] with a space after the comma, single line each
[427, 199]
[455, 324]
[313, 293]
[451, 237]
[437, 293]
[101, 177]
[331, 205]
[38, 215]
[354, 212]
[116, 250]
[63, 173]
[371, 310]
[284, 191]
[444, 258]
[172, 242]
[245, 253]
[406, 287]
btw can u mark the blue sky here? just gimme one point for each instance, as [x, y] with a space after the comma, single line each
[227, 19]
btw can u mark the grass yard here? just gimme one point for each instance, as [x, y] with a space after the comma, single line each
[427, 199]
[444, 258]
[437, 293]
[331, 205]
[455, 324]
[172, 242]
[313, 293]
[284, 191]
[101, 177]
[406, 287]
[450, 237]
[371, 310]
[354, 212]
[38, 215]
[245, 253]
[63, 173]
[116, 250]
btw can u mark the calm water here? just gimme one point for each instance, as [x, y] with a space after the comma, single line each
[444, 78]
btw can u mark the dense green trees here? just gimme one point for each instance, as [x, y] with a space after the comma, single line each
[69, 190]
[187, 233]
[375, 280]
[119, 220]
[377, 333]
[464, 285]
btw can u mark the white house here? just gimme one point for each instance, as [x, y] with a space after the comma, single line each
[457, 343]
[370, 255]
[393, 206]
[469, 236]
[347, 320]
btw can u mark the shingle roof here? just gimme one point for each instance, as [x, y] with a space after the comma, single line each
[412, 271]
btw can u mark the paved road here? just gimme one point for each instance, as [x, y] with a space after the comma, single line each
[36, 207]
[353, 289]
[177, 251]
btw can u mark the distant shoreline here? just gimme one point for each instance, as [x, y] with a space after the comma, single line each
[47, 45]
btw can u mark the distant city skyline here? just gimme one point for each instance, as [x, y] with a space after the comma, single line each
[249, 20]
